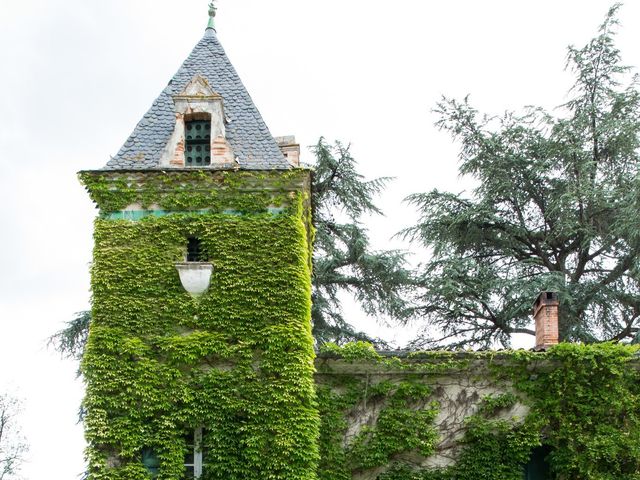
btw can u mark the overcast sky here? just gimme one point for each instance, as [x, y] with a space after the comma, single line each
[76, 76]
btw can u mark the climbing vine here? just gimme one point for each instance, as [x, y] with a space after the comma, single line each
[582, 402]
[237, 361]
[243, 191]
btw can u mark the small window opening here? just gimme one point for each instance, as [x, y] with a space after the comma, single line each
[197, 143]
[194, 250]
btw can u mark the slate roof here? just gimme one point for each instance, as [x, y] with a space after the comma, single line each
[249, 137]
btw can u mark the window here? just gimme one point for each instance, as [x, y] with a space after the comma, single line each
[197, 143]
[538, 467]
[194, 250]
[194, 458]
[151, 461]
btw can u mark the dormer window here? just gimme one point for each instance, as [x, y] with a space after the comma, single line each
[197, 143]
[199, 137]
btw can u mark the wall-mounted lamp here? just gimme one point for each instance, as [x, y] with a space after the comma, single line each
[195, 274]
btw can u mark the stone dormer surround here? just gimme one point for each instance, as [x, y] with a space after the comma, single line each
[198, 101]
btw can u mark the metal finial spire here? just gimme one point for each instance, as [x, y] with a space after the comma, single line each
[212, 15]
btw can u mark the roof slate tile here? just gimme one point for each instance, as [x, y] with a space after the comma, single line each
[246, 131]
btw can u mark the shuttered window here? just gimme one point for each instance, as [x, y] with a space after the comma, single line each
[197, 143]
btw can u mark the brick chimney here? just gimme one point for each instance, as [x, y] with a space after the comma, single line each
[545, 314]
[290, 149]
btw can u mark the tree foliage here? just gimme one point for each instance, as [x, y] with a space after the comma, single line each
[343, 260]
[71, 340]
[556, 208]
[13, 446]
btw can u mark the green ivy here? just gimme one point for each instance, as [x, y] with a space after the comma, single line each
[588, 400]
[237, 361]
[179, 190]
[493, 404]
[405, 423]
[351, 351]
[583, 401]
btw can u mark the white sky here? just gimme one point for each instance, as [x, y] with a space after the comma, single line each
[76, 76]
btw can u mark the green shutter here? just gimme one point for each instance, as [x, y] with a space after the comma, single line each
[198, 143]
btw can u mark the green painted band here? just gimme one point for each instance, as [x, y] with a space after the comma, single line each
[139, 214]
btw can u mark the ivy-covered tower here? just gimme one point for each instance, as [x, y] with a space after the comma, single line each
[199, 362]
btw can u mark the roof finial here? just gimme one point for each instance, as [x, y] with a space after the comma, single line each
[212, 16]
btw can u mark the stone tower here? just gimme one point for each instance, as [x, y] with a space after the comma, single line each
[199, 362]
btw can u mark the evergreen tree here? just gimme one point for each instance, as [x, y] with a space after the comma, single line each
[71, 340]
[556, 208]
[343, 261]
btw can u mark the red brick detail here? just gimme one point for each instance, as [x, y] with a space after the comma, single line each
[178, 156]
[290, 149]
[292, 154]
[221, 151]
[545, 314]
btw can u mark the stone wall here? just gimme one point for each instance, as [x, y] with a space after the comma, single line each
[457, 385]
[381, 413]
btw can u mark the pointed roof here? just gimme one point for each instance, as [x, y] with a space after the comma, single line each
[246, 132]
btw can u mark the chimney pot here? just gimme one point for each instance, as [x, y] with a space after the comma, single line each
[545, 314]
